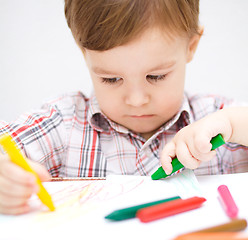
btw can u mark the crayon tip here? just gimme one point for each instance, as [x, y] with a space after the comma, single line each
[119, 215]
[160, 173]
[45, 197]
[112, 216]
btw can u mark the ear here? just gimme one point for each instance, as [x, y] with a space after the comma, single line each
[193, 43]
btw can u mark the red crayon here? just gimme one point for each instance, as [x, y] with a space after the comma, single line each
[169, 208]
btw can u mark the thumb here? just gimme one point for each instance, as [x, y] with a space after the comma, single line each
[40, 170]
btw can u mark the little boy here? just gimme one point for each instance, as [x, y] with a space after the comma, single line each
[136, 52]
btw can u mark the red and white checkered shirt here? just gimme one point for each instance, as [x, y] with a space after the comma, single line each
[72, 138]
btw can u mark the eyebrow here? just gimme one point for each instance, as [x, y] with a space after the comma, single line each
[99, 70]
[165, 65]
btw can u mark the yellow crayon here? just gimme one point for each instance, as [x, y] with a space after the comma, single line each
[16, 157]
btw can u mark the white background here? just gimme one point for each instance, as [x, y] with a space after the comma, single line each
[39, 58]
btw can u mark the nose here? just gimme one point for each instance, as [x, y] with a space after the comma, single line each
[137, 97]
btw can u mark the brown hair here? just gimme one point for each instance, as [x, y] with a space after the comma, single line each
[104, 24]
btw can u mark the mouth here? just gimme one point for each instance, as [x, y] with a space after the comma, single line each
[142, 116]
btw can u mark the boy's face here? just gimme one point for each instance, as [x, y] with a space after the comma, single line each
[140, 85]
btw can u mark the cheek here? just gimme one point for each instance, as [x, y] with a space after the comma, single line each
[102, 97]
[107, 99]
[169, 97]
[168, 101]
[173, 87]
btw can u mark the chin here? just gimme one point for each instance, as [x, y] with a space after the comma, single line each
[144, 131]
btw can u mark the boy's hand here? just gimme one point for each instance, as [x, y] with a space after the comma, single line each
[191, 145]
[17, 185]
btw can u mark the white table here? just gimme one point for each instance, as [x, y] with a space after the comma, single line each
[67, 225]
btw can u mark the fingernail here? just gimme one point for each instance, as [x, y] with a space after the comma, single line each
[168, 172]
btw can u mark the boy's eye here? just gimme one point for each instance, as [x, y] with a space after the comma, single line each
[111, 80]
[156, 77]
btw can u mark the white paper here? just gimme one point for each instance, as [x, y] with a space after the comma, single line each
[82, 205]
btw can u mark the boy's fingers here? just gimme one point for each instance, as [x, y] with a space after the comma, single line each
[20, 174]
[10, 201]
[166, 164]
[17, 186]
[16, 174]
[185, 157]
[167, 155]
[203, 157]
[201, 150]
[16, 190]
[3, 158]
[15, 210]
[202, 143]
[40, 170]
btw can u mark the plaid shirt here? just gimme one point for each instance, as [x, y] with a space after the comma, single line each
[72, 138]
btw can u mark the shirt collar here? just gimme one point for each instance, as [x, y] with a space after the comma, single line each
[100, 122]
[183, 117]
[95, 116]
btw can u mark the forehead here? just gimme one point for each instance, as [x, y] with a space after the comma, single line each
[152, 48]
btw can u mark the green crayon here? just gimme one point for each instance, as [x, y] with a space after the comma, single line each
[216, 142]
[126, 213]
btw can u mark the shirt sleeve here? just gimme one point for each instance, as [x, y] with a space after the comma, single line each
[41, 135]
